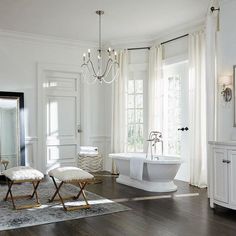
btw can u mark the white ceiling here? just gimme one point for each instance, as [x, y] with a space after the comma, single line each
[76, 19]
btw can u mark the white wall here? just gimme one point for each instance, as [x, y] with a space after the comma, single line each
[19, 55]
[226, 60]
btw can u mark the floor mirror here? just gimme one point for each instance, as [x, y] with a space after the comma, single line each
[12, 136]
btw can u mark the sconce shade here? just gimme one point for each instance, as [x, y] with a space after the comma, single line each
[225, 79]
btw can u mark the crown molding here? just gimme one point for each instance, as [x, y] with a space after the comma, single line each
[38, 38]
[181, 30]
[130, 41]
[161, 36]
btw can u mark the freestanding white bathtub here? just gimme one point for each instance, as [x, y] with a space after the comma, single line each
[158, 175]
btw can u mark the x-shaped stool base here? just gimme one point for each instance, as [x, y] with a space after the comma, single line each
[82, 185]
[35, 184]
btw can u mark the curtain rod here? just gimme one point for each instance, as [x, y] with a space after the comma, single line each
[168, 41]
[130, 49]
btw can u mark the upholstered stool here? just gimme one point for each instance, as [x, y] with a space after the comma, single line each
[72, 175]
[23, 174]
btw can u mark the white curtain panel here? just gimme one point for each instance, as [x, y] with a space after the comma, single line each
[197, 110]
[155, 89]
[119, 101]
[212, 26]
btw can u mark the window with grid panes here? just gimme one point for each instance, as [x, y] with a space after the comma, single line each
[135, 113]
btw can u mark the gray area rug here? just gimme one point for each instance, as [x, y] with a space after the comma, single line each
[50, 212]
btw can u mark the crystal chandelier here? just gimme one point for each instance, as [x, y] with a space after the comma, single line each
[111, 66]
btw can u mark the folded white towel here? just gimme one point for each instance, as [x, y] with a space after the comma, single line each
[88, 149]
[136, 168]
[90, 154]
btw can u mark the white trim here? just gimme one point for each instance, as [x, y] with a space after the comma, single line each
[13, 155]
[160, 37]
[31, 139]
[38, 38]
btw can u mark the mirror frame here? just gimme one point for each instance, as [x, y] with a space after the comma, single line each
[20, 97]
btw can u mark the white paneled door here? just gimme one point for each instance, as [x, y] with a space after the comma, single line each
[61, 117]
[175, 114]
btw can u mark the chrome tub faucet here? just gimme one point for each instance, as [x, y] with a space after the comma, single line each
[154, 138]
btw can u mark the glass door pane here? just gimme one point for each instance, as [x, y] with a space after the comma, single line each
[175, 114]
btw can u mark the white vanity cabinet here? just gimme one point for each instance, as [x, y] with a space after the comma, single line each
[222, 174]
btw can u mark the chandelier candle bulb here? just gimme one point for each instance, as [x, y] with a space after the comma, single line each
[109, 52]
[84, 57]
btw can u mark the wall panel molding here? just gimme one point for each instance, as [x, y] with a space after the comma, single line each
[36, 38]
[31, 156]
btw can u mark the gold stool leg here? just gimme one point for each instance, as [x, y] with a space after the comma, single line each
[35, 191]
[57, 193]
[13, 198]
[71, 208]
[10, 183]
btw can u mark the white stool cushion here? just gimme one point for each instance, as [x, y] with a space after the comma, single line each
[70, 174]
[23, 173]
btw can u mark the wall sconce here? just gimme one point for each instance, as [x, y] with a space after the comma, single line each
[226, 91]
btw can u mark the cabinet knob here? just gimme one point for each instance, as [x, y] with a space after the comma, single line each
[228, 162]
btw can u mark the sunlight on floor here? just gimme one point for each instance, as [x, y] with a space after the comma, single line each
[118, 200]
[156, 197]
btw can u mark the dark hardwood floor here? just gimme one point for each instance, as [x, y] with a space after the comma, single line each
[151, 214]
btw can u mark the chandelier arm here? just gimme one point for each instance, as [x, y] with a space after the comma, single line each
[85, 75]
[94, 72]
[114, 78]
[117, 72]
[86, 65]
[108, 65]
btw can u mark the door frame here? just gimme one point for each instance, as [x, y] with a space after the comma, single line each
[41, 122]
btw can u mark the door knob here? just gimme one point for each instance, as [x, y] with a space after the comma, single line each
[184, 129]
[79, 129]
